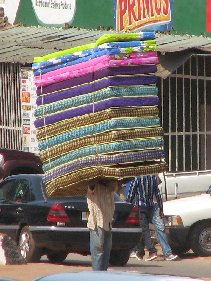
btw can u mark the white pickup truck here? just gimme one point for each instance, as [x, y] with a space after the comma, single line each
[184, 184]
[188, 224]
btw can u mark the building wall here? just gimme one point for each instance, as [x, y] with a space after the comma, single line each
[17, 105]
[185, 114]
[99, 14]
[10, 107]
[190, 17]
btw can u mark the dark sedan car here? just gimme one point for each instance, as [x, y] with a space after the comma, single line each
[57, 226]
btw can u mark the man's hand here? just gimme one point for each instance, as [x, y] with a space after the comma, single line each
[161, 214]
[91, 187]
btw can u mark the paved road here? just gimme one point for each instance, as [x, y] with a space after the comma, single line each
[189, 265]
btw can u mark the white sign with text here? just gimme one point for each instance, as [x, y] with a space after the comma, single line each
[54, 11]
[47, 11]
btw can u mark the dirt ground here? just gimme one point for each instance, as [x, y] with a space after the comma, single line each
[189, 265]
[31, 271]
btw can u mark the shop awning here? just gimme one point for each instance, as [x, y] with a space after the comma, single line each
[21, 44]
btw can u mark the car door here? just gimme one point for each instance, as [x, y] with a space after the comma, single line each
[14, 194]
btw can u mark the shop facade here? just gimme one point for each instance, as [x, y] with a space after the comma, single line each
[186, 114]
[185, 103]
[10, 107]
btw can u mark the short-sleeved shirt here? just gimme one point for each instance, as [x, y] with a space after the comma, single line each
[101, 206]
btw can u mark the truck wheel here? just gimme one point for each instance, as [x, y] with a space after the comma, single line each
[57, 257]
[201, 239]
[119, 257]
[27, 246]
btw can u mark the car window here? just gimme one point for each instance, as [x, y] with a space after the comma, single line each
[43, 189]
[22, 193]
[7, 190]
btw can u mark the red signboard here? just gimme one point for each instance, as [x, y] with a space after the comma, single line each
[134, 14]
[208, 21]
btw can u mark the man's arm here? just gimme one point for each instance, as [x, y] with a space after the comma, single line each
[132, 190]
[158, 195]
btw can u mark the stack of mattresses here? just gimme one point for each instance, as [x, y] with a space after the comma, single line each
[97, 114]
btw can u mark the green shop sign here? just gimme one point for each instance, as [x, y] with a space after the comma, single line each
[90, 14]
[192, 17]
[180, 16]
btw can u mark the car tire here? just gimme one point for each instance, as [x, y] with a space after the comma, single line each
[57, 257]
[200, 239]
[28, 249]
[119, 257]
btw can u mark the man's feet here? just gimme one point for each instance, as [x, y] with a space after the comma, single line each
[171, 257]
[139, 257]
[136, 255]
[152, 256]
[133, 254]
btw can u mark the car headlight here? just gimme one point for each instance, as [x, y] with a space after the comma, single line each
[173, 221]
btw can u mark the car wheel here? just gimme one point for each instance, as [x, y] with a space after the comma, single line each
[119, 257]
[201, 239]
[27, 246]
[57, 257]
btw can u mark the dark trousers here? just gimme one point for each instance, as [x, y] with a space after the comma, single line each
[145, 239]
[152, 215]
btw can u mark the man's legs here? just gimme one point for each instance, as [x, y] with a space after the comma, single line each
[138, 250]
[146, 239]
[100, 247]
[144, 223]
[160, 231]
[107, 248]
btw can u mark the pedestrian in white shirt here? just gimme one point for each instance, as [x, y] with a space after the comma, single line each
[100, 199]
